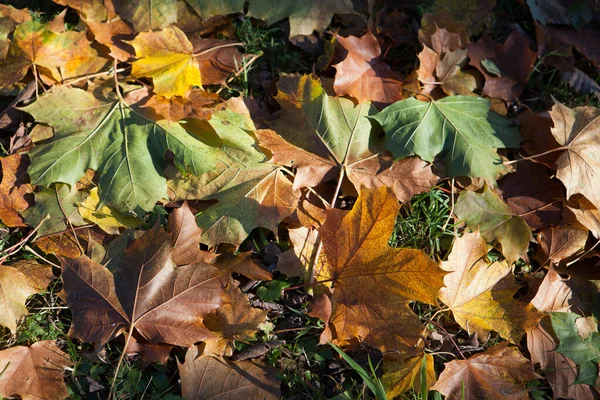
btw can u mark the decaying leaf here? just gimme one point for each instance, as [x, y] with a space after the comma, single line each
[586, 213]
[480, 293]
[461, 128]
[149, 15]
[217, 378]
[34, 372]
[363, 75]
[147, 293]
[399, 376]
[562, 242]
[13, 189]
[360, 263]
[498, 373]
[475, 14]
[495, 220]
[17, 283]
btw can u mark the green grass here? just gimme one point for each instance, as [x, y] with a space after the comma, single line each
[424, 223]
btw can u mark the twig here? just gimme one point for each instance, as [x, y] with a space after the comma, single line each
[30, 250]
[535, 155]
[76, 79]
[114, 380]
[449, 337]
[583, 255]
[200, 53]
[17, 246]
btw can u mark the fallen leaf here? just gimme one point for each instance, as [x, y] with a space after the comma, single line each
[461, 128]
[17, 283]
[149, 15]
[250, 191]
[363, 75]
[167, 57]
[401, 375]
[513, 59]
[296, 261]
[13, 190]
[107, 218]
[305, 16]
[93, 10]
[207, 9]
[117, 141]
[441, 19]
[185, 236]
[196, 105]
[480, 293]
[581, 82]
[578, 167]
[487, 213]
[321, 135]
[114, 35]
[206, 378]
[360, 263]
[537, 137]
[147, 294]
[234, 320]
[498, 373]
[554, 294]
[34, 372]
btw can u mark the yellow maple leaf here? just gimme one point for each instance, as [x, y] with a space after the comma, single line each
[107, 218]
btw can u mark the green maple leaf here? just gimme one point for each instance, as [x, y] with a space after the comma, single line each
[113, 138]
[460, 128]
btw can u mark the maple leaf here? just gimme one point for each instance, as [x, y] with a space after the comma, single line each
[147, 294]
[185, 236]
[34, 372]
[167, 57]
[497, 373]
[250, 191]
[217, 59]
[585, 213]
[298, 260]
[305, 16]
[475, 14]
[401, 375]
[58, 205]
[197, 105]
[514, 60]
[204, 378]
[360, 263]
[363, 75]
[489, 214]
[117, 141]
[233, 320]
[113, 34]
[430, 23]
[460, 128]
[321, 135]
[107, 218]
[93, 10]
[13, 189]
[149, 15]
[578, 167]
[480, 293]
[17, 283]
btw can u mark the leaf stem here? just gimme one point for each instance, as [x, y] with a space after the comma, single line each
[200, 53]
[77, 79]
[114, 380]
[535, 155]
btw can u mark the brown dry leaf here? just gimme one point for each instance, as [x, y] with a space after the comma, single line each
[360, 263]
[296, 261]
[34, 372]
[113, 34]
[578, 167]
[147, 294]
[321, 135]
[13, 190]
[532, 194]
[17, 283]
[363, 75]
[92, 10]
[480, 293]
[217, 59]
[499, 373]
[513, 59]
[204, 378]
[586, 213]
[64, 245]
[554, 294]
[149, 352]
[536, 137]
[401, 375]
[561, 242]
[167, 57]
[234, 320]
[321, 308]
